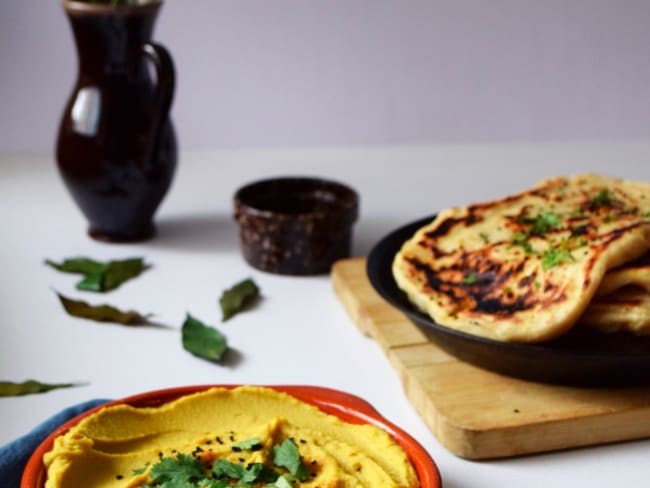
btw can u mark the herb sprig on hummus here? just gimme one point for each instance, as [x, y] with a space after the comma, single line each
[202, 470]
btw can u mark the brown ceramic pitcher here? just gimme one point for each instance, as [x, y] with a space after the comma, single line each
[116, 148]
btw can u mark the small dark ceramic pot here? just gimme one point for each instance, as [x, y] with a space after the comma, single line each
[295, 226]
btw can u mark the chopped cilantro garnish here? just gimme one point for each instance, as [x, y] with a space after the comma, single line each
[604, 198]
[528, 249]
[521, 239]
[470, 279]
[185, 471]
[484, 237]
[578, 212]
[555, 256]
[544, 222]
[287, 456]
[224, 468]
[177, 472]
[541, 223]
[139, 470]
[253, 444]
[282, 482]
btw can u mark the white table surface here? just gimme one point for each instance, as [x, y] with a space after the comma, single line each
[299, 334]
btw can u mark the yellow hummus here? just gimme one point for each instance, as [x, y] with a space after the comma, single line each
[104, 449]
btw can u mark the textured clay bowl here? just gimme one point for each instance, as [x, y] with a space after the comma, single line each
[295, 225]
[347, 407]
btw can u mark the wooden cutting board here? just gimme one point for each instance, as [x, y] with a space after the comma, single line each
[477, 414]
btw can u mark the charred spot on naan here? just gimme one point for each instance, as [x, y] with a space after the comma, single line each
[476, 284]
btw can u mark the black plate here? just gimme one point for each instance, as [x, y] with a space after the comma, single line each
[581, 357]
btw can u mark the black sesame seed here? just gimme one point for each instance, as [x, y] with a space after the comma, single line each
[218, 439]
[118, 477]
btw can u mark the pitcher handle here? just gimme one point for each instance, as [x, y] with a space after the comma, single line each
[165, 85]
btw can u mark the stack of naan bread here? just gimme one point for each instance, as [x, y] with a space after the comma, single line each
[529, 267]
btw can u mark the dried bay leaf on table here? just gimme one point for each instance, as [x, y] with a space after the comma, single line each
[9, 388]
[101, 276]
[102, 313]
[238, 298]
[80, 265]
[202, 340]
[118, 272]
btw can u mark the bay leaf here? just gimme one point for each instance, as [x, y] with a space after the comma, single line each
[100, 276]
[238, 298]
[79, 265]
[102, 313]
[202, 340]
[9, 388]
[117, 272]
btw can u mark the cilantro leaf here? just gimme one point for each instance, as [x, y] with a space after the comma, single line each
[282, 482]
[252, 444]
[521, 239]
[224, 468]
[183, 469]
[470, 278]
[203, 341]
[207, 483]
[555, 256]
[604, 198]
[286, 455]
[259, 472]
[237, 298]
[544, 222]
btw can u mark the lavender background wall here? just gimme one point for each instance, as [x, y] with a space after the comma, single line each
[264, 73]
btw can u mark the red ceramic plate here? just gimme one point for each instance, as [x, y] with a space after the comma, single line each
[347, 407]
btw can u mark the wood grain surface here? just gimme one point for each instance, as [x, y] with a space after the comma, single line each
[477, 414]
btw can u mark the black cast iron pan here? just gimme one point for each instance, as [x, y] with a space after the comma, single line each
[582, 357]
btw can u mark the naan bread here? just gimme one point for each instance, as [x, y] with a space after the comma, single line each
[625, 310]
[622, 301]
[525, 267]
[636, 273]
